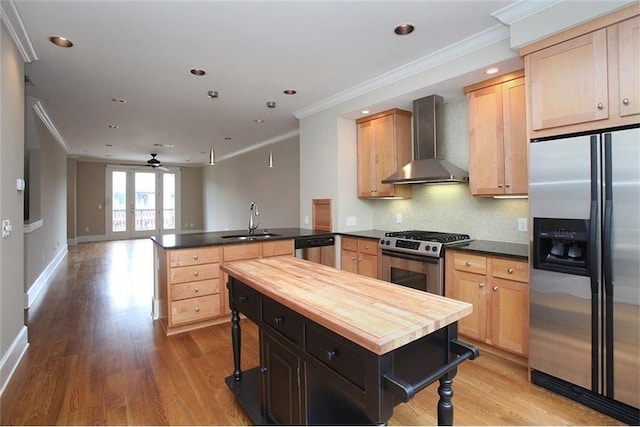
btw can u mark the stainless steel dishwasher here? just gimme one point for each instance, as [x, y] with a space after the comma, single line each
[320, 249]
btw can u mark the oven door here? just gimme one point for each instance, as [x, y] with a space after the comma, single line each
[418, 272]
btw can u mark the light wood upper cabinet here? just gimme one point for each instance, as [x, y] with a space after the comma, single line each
[585, 81]
[384, 146]
[497, 136]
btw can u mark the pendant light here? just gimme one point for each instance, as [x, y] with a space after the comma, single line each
[271, 105]
[213, 94]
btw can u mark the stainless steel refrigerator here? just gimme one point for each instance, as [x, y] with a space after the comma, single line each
[584, 201]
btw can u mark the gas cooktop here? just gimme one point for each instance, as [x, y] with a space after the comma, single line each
[421, 243]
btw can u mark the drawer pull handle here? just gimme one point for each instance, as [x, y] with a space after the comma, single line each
[195, 273]
[495, 288]
[331, 354]
[196, 290]
[468, 264]
[243, 298]
[195, 257]
[510, 271]
[481, 285]
[600, 106]
[625, 101]
[279, 320]
[197, 309]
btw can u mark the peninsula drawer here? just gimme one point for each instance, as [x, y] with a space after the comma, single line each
[470, 263]
[246, 300]
[193, 309]
[336, 353]
[510, 269]
[286, 321]
[194, 272]
[193, 256]
[195, 289]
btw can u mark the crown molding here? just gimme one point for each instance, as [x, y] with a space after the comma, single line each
[522, 9]
[42, 113]
[14, 25]
[449, 53]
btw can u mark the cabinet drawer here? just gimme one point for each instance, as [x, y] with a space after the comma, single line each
[349, 243]
[336, 353]
[510, 269]
[244, 251]
[470, 263]
[194, 272]
[193, 256]
[277, 247]
[286, 321]
[368, 246]
[195, 289]
[194, 309]
[245, 300]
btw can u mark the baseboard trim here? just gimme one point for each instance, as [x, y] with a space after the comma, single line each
[44, 279]
[12, 357]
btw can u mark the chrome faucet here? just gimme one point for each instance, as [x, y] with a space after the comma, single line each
[253, 210]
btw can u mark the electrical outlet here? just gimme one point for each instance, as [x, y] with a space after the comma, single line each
[306, 219]
[398, 218]
[6, 228]
[522, 225]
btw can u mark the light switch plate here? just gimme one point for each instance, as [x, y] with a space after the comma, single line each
[398, 218]
[351, 221]
[522, 225]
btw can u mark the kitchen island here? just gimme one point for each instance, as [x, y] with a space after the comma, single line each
[337, 347]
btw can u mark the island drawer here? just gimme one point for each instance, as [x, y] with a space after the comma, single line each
[336, 353]
[286, 321]
[195, 289]
[194, 272]
[193, 309]
[193, 256]
[470, 263]
[245, 300]
[510, 269]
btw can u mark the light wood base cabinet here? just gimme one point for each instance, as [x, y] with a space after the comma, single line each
[498, 289]
[360, 256]
[586, 78]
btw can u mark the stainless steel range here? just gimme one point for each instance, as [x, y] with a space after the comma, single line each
[415, 258]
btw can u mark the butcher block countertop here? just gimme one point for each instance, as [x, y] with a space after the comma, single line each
[374, 314]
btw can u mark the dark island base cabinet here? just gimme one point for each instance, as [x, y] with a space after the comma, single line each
[309, 375]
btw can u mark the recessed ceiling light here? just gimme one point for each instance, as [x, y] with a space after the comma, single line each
[227, 138]
[60, 41]
[404, 29]
[119, 100]
[197, 71]
[259, 120]
[290, 92]
[365, 111]
[492, 70]
[114, 127]
[109, 145]
[164, 145]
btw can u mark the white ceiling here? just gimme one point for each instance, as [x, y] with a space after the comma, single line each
[252, 51]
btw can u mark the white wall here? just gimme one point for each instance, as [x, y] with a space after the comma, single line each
[13, 332]
[230, 186]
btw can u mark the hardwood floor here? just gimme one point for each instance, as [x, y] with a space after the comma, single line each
[96, 357]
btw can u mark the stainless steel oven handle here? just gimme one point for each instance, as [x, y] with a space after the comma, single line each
[425, 259]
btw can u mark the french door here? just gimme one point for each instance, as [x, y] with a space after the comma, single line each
[141, 203]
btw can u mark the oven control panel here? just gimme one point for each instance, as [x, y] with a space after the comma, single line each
[415, 247]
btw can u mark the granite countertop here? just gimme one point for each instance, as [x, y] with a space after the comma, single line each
[487, 247]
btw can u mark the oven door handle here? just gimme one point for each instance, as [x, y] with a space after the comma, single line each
[401, 255]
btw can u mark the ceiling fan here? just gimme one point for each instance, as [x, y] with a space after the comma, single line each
[155, 163]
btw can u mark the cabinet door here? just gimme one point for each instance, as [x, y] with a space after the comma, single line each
[368, 265]
[568, 82]
[486, 155]
[281, 382]
[366, 159]
[349, 261]
[629, 66]
[471, 288]
[510, 315]
[384, 156]
[516, 179]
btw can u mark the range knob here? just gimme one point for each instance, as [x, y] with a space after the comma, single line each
[435, 249]
[427, 248]
[388, 242]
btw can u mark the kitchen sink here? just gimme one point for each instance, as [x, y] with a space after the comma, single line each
[258, 236]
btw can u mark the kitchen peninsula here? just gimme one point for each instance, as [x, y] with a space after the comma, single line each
[337, 347]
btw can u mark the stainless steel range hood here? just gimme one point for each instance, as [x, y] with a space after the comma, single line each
[427, 168]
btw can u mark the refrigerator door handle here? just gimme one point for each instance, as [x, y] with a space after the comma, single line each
[607, 265]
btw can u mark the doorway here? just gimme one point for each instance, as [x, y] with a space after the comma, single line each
[141, 203]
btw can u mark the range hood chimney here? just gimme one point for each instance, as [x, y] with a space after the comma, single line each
[427, 168]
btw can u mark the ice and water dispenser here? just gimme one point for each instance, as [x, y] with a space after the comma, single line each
[561, 245]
